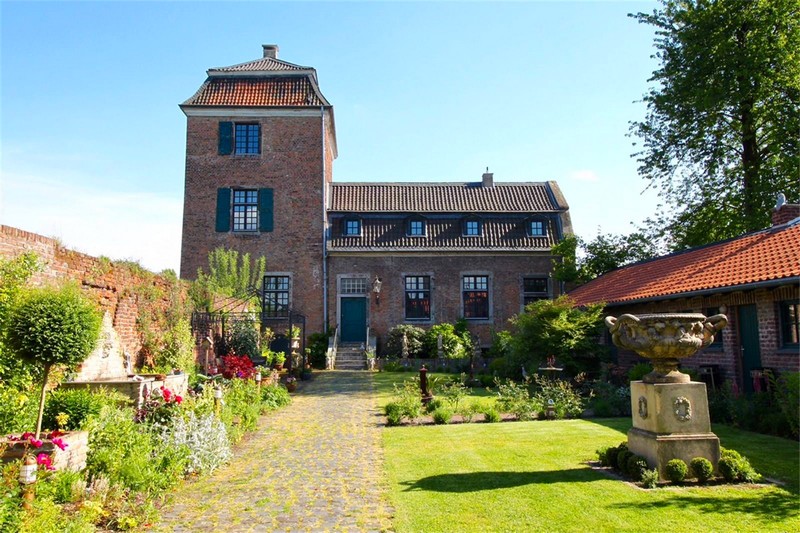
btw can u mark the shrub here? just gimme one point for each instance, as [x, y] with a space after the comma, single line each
[515, 399]
[414, 337]
[650, 479]
[622, 461]
[159, 408]
[454, 391]
[676, 470]
[237, 366]
[52, 326]
[77, 404]
[244, 337]
[735, 468]
[702, 469]
[638, 371]
[453, 346]
[442, 415]
[318, 348]
[433, 405]
[787, 396]
[409, 399]
[17, 411]
[468, 411]
[636, 467]
[613, 457]
[204, 439]
[602, 455]
[394, 413]
[567, 401]
[498, 367]
[491, 415]
[178, 349]
[607, 399]
[274, 397]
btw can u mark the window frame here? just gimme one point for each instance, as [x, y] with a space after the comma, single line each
[426, 290]
[468, 308]
[465, 229]
[410, 227]
[249, 138]
[789, 326]
[717, 344]
[534, 295]
[539, 221]
[276, 315]
[250, 209]
[346, 228]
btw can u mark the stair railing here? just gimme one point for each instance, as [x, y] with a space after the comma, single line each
[330, 355]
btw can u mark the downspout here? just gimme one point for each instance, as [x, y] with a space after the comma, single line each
[324, 229]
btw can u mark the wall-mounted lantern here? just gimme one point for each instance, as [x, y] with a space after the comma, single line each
[376, 288]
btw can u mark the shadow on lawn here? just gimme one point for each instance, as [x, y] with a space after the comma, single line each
[769, 507]
[476, 481]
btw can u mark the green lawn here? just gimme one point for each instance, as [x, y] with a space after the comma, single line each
[531, 476]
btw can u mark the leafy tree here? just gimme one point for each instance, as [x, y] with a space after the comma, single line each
[720, 138]
[558, 328]
[52, 326]
[14, 274]
[229, 274]
[603, 254]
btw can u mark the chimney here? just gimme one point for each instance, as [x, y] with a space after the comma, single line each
[488, 178]
[270, 50]
[784, 212]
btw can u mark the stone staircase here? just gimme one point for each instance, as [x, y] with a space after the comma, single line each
[350, 357]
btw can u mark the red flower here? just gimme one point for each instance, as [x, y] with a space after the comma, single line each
[56, 433]
[178, 399]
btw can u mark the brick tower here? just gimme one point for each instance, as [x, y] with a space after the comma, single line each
[260, 145]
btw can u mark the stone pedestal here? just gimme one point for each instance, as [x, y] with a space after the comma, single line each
[671, 421]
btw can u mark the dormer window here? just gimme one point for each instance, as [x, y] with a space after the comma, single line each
[416, 227]
[536, 228]
[472, 227]
[352, 227]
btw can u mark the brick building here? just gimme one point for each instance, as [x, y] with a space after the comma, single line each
[753, 279]
[260, 146]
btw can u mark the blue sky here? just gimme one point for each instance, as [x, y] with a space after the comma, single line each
[93, 142]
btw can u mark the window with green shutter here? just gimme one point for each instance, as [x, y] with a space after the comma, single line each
[225, 138]
[223, 210]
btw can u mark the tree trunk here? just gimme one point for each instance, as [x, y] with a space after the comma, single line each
[41, 400]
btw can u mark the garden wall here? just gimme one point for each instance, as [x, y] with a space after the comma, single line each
[118, 287]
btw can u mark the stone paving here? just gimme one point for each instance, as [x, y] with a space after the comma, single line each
[315, 465]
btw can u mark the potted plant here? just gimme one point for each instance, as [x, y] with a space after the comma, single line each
[291, 383]
[278, 358]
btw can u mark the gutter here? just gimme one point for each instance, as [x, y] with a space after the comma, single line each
[705, 292]
[324, 229]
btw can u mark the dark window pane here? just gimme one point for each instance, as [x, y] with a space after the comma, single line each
[418, 297]
[276, 296]
[790, 323]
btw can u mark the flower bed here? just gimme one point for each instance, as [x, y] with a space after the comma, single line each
[66, 451]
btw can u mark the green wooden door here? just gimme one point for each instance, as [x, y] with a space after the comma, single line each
[748, 339]
[354, 319]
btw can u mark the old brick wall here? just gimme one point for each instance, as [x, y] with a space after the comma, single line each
[773, 355]
[505, 272]
[291, 163]
[112, 285]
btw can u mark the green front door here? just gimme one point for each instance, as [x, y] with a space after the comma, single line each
[748, 339]
[354, 319]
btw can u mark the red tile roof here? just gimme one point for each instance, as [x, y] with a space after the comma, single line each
[771, 255]
[259, 65]
[260, 92]
[444, 197]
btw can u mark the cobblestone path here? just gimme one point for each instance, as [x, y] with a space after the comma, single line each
[315, 465]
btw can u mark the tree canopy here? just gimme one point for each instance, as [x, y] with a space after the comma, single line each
[580, 261]
[720, 138]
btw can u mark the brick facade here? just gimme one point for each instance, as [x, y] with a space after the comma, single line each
[728, 357]
[295, 163]
[112, 285]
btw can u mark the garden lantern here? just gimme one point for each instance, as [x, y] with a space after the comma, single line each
[551, 409]
[217, 398]
[258, 377]
[27, 478]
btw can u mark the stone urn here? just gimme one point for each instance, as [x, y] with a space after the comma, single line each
[665, 339]
[669, 411]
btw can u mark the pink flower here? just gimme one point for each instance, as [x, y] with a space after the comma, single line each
[35, 443]
[60, 443]
[44, 460]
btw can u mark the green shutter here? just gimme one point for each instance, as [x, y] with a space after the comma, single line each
[265, 210]
[223, 209]
[225, 138]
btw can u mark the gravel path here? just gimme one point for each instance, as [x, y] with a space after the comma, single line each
[315, 465]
